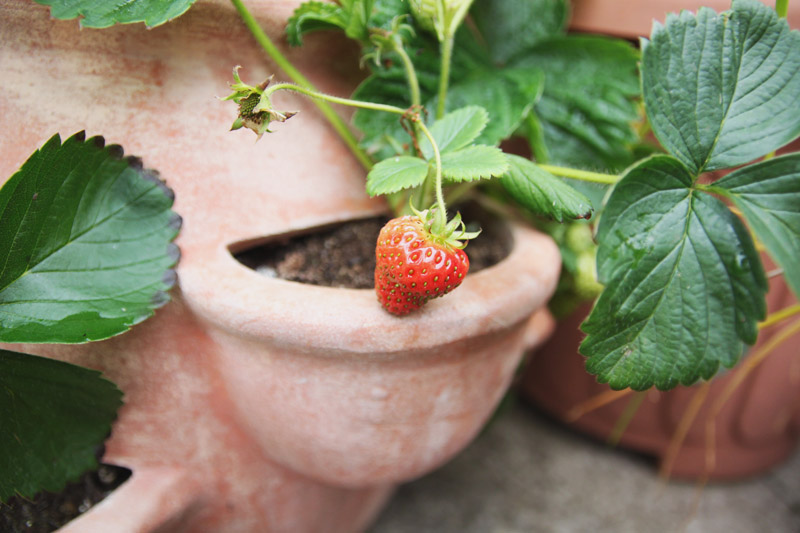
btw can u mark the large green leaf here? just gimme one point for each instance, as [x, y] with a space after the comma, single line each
[542, 193]
[723, 89]
[102, 13]
[395, 174]
[474, 163]
[768, 194]
[684, 284]
[85, 247]
[53, 417]
[589, 102]
[511, 26]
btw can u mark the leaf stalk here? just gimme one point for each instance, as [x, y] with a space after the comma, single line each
[444, 73]
[582, 175]
[440, 222]
[316, 95]
[411, 72]
[782, 8]
[780, 315]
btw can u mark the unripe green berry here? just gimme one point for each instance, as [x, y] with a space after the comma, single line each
[425, 13]
[440, 16]
[578, 237]
[586, 285]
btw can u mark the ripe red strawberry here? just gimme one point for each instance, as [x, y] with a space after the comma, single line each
[414, 265]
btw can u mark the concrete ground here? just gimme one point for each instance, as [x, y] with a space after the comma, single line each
[526, 474]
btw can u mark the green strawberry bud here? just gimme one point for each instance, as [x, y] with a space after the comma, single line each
[440, 16]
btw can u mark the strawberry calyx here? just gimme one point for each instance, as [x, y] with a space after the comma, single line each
[452, 235]
[255, 108]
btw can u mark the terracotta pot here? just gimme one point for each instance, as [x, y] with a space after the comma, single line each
[256, 404]
[758, 427]
[634, 18]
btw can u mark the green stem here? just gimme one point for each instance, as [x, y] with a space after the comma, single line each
[441, 211]
[457, 192]
[273, 52]
[316, 95]
[780, 315]
[782, 8]
[411, 73]
[444, 74]
[583, 175]
[424, 194]
[416, 102]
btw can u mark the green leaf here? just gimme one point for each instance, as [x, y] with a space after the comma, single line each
[455, 130]
[508, 95]
[512, 26]
[684, 284]
[85, 245]
[102, 13]
[722, 90]
[542, 193]
[474, 163]
[358, 12]
[354, 17]
[313, 16]
[589, 101]
[53, 417]
[768, 194]
[384, 11]
[395, 174]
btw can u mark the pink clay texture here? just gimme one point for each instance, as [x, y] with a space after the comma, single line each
[256, 404]
[634, 18]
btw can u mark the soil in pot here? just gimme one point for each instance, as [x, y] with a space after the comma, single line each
[344, 255]
[49, 511]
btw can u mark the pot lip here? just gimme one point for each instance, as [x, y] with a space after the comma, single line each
[244, 303]
[150, 498]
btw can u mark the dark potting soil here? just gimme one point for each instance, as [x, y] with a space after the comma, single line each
[344, 255]
[49, 511]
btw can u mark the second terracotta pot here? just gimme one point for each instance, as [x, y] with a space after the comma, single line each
[758, 427]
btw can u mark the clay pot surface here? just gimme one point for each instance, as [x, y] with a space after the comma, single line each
[758, 427]
[632, 19]
[256, 404]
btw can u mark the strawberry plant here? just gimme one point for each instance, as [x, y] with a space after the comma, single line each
[684, 286]
[681, 285]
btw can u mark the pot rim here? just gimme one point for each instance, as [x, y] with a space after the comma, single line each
[245, 303]
[150, 499]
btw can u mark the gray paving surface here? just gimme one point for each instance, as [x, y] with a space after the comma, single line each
[529, 475]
